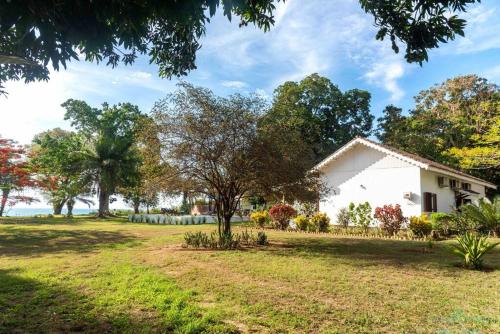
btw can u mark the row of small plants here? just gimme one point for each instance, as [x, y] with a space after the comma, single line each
[168, 219]
[279, 216]
[225, 241]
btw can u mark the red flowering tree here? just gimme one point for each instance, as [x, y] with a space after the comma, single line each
[15, 175]
[281, 215]
[390, 217]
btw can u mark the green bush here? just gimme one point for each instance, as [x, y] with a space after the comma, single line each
[261, 239]
[259, 218]
[343, 217]
[420, 226]
[360, 215]
[302, 222]
[442, 223]
[471, 248]
[485, 215]
[320, 222]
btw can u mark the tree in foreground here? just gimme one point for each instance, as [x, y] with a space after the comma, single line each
[36, 33]
[108, 154]
[213, 147]
[15, 175]
[54, 155]
[322, 115]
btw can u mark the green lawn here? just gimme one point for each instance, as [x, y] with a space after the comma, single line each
[95, 276]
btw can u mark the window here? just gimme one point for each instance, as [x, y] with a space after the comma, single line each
[453, 184]
[465, 186]
[430, 202]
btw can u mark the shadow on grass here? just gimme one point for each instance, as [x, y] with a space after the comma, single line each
[29, 306]
[58, 220]
[36, 242]
[377, 252]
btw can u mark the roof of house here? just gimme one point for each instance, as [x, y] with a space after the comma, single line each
[405, 156]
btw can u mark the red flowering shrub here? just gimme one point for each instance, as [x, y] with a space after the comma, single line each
[391, 218]
[281, 215]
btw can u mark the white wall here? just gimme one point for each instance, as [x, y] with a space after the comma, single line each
[365, 174]
[446, 196]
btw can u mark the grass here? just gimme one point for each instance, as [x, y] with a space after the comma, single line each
[85, 275]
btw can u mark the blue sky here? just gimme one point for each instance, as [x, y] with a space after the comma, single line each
[333, 38]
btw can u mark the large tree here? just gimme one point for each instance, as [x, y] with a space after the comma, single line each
[15, 175]
[34, 33]
[325, 117]
[455, 122]
[108, 153]
[55, 157]
[213, 147]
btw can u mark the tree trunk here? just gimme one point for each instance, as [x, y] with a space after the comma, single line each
[3, 202]
[136, 207]
[57, 207]
[70, 204]
[103, 204]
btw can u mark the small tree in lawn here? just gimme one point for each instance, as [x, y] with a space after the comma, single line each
[15, 175]
[390, 217]
[213, 146]
[361, 215]
[281, 215]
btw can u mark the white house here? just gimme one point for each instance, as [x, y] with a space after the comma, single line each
[363, 170]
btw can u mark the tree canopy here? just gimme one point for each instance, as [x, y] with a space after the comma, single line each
[325, 117]
[109, 152]
[455, 122]
[38, 32]
[214, 147]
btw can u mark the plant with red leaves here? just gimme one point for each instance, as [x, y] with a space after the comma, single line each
[15, 175]
[281, 215]
[390, 217]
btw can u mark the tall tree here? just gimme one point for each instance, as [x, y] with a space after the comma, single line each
[15, 175]
[54, 155]
[455, 123]
[109, 153]
[325, 117]
[35, 33]
[214, 148]
[391, 126]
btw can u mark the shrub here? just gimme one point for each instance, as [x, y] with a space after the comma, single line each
[471, 248]
[391, 218]
[281, 215]
[202, 240]
[485, 215]
[343, 217]
[259, 218]
[320, 222]
[261, 239]
[361, 215]
[420, 226]
[302, 222]
[442, 223]
[197, 239]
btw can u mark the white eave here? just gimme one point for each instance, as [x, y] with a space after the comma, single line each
[380, 148]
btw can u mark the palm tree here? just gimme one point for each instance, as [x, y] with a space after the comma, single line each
[485, 215]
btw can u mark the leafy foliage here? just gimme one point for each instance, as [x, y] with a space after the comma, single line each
[36, 33]
[472, 248]
[281, 215]
[420, 226]
[360, 215]
[420, 24]
[324, 117]
[485, 215]
[15, 174]
[259, 218]
[302, 222]
[215, 147]
[227, 241]
[320, 222]
[390, 217]
[442, 223]
[344, 217]
[455, 123]
[109, 154]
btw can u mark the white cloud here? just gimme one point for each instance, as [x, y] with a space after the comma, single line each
[234, 84]
[385, 74]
